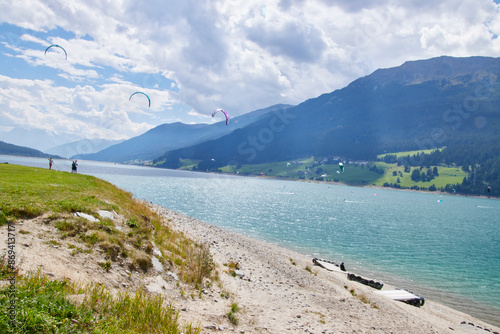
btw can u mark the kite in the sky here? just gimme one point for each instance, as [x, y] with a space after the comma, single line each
[341, 166]
[144, 95]
[56, 46]
[225, 113]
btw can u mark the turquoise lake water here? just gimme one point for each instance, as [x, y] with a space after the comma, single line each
[442, 247]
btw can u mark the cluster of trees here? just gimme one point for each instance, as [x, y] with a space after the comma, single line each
[392, 185]
[376, 170]
[480, 159]
[398, 186]
[419, 175]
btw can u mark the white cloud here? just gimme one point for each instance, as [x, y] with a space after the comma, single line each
[197, 114]
[238, 55]
[40, 104]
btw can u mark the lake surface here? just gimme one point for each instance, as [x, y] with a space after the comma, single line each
[442, 247]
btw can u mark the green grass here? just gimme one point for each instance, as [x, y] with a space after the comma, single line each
[275, 169]
[354, 174]
[447, 175]
[450, 175]
[188, 164]
[45, 306]
[28, 192]
[306, 169]
[357, 175]
[231, 314]
[409, 153]
[58, 306]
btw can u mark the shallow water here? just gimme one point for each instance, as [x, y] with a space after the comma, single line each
[445, 248]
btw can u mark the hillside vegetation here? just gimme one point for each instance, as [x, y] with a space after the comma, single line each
[27, 192]
[394, 170]
[10, 149]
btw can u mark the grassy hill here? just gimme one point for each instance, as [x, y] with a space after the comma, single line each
[44, 305]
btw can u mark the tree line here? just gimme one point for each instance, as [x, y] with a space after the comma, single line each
[480, 160]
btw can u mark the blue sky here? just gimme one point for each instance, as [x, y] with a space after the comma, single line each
[194, 56]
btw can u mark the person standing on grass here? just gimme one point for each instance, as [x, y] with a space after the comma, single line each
[74, 166]
[51, 162]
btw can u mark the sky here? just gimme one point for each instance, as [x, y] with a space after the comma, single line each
[193, 56]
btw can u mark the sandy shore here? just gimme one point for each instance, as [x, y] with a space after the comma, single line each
[275, 289]
[277, 294]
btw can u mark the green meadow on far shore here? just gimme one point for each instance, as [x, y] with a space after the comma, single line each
[408, 153]
[360, 173]
[447, 175]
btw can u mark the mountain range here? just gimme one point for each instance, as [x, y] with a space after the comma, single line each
[84, 146]
[11, 149]
[439, 102]
[42, 140]
[165, 137]
[422, 104]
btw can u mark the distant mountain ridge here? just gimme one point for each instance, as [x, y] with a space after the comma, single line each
[165, 137]
[38, 139]
[420, 104]
[434, 69]
[84, 146]
[11, 149]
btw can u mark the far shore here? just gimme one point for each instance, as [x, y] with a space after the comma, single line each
[437, 192]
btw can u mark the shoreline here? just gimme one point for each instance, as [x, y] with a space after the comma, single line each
[276, 286]
[437, 192]
[276, 290]
[265, 246]
[474, 308]
[273, 289]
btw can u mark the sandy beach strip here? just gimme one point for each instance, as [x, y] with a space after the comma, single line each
[282, 291]
[276, 290]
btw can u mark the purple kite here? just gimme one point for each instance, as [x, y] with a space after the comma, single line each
[225, 113]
